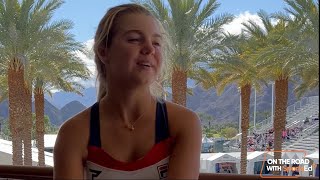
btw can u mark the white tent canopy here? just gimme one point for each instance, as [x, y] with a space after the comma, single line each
[314, 156]
[49, 140]
[221, 158]
[207, 144]
[285, 155]
[206, 140]
[256, 156]
[203, 161]
[238, 136]
[293, 154]
[255, 160]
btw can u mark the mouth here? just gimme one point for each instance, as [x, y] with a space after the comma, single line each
[144, 64]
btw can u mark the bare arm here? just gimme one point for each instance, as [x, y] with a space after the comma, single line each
[185, 159]
[68, 152]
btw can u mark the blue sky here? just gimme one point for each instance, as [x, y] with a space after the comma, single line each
[86, 14]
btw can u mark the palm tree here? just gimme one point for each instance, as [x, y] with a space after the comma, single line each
[193, 31]
[293, 50]
[27, 38]
[3, 87]
[12, 62]
[274, 67]
[278, 59]
[55, 69]
[303, 36]
[16, 85]
[280, 77]
[57, 72]
[27, 124]
[231, 66]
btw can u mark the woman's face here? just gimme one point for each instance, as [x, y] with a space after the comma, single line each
[134, 56]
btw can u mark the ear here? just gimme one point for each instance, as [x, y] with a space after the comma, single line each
[102, 54]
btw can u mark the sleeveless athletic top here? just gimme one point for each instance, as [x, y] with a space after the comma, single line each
[154, 165]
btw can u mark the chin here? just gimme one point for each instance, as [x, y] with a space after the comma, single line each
[145, 81]
[141, 79]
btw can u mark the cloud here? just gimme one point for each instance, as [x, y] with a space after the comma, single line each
[235, 27]
[90, 65]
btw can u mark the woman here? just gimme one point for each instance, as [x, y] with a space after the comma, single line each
[129, 133]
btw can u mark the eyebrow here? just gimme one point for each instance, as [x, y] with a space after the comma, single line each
[139, 32]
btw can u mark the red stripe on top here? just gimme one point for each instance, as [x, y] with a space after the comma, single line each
[158, 152]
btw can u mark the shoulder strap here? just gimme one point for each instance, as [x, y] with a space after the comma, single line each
[94, 137]
[162, 126]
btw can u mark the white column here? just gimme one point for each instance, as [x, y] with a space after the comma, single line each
[240, 109]
[272, 101]
[300, 103]
[255, 108]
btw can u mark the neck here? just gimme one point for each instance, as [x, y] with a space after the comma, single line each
[127, 104]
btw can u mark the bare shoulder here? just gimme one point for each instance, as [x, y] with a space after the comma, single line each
[75, 129]
[185, 128]
[70, 148]
[182, 118]
[77, 125]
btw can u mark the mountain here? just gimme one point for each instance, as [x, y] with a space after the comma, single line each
[60, 99]
[223, 108]
[4, 109]
[71, 109]
[57, 116]
[51, 111]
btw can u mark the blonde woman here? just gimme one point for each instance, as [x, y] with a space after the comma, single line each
[130, 133]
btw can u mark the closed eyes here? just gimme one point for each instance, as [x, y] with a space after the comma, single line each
[134, 40]
[138, 40]
[157, 44]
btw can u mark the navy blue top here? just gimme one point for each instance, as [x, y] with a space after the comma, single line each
[162, 126]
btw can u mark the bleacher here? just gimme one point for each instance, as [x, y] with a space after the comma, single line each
[296, 113]
[306, 139]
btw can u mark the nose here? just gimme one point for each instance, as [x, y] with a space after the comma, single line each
[148, 48]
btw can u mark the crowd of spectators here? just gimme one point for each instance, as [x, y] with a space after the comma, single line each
[265, 141]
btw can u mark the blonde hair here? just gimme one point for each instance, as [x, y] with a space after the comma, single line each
[103, 38]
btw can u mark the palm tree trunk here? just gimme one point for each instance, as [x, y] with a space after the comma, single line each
[17, 159]
[281, 100]
[39, 108]
[27, 126]
[179, 86]
[245, 101]
[16, 85]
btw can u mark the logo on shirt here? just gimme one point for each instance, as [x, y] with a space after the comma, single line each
[94, 173]
[163, 170]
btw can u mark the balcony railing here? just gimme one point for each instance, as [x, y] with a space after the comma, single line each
[46, 173]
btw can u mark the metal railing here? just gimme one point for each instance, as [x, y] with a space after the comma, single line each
[309, 131]
[292, 110]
